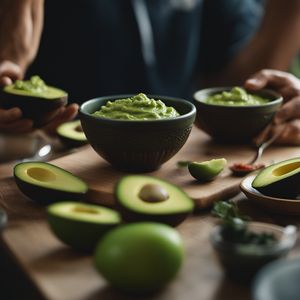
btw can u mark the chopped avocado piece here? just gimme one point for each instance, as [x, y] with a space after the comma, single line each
[279, 180]
[207, 170]
[71, 133]
[81, 225]
[46, 183]
[152, 199]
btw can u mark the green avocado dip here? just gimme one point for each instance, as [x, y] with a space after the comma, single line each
[35, 87]
[236, 96]
[138, 107]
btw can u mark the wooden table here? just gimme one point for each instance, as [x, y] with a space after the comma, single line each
[58, 272]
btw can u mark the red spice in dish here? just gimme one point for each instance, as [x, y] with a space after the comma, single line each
[246, 167]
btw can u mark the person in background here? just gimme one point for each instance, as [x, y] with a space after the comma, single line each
[169, 47]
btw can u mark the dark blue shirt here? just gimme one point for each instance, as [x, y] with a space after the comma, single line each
[99, 47]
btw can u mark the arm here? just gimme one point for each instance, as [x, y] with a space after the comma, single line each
[274, 45]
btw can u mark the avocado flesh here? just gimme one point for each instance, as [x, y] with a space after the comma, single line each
[70, 130]
[49, 94]
[81, 225]
[279, 180]
[46, 183]
[172, 211]
[207, 170]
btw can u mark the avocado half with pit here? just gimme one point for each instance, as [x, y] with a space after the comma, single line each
[46, 183]
[81, 225]
[34, 105]
[71, 134]
[280, 180]
[207, 170]
[146, 198]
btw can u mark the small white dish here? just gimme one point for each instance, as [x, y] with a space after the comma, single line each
[278, 205]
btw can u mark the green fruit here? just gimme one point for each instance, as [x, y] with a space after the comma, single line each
[71, 134]
[34, 98]
[140, 257]
[146, 198]
[279, 180]
[81, 225]
[207, 170]
[46, 183]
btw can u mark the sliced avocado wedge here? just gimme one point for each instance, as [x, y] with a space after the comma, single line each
[34, 98]
[146, 198]
[279, 180]
[46, 183]
[207, 170]
[81, 225]
[71, 134]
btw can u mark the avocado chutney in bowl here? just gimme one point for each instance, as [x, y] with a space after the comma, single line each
[34, 97]
[232, 114]
[137, 107]
[137, 143]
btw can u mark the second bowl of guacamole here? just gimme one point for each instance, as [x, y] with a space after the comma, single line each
[137, 133]
[232, 114]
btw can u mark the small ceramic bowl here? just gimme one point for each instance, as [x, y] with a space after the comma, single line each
[278, 280]
[242, 261]
[234, 123]
[277, 205]
[137, 146]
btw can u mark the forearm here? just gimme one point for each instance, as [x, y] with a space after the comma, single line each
[20, 29]
[274, 45]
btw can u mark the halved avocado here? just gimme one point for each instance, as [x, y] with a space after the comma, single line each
[34, 98]
[81, 225]
[279, 180]
[71, 134]
[46, 183]
[207, 170]
[146, 198]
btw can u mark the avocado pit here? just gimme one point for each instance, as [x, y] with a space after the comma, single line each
[153, 193]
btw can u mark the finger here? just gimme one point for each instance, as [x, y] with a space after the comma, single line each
[11, 70]
[291, 134]
[53, 114]
[290, 110]
[68, 114]
[19, 126]
[10, 115]
[272, 78]
[5, 81]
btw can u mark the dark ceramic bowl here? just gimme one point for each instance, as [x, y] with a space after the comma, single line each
[242, 261]
[234, 123]
[137, 146]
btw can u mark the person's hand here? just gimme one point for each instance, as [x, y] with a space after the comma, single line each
[60, 116]
[289, 114]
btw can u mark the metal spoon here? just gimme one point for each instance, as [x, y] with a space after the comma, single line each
[250, 166]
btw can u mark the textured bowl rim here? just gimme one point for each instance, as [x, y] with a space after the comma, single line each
[122, 96]
[196, 96]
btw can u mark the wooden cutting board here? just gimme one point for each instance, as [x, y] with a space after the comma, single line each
[101, 177]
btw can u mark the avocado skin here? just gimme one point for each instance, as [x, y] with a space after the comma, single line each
[78, 234]
[46, 196]
[288, 187]
[71, 143]
[169, 219]
[33, 108]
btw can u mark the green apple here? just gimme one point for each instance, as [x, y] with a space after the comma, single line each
[207, 170]
[140, 257]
